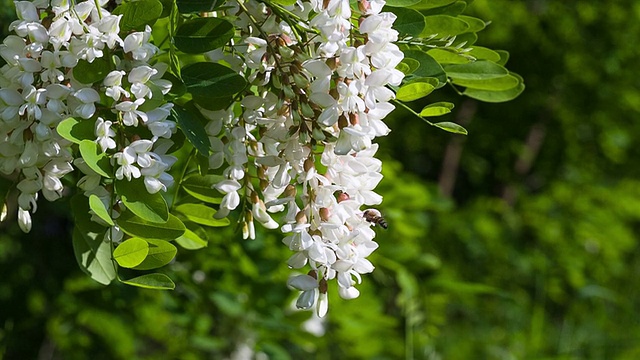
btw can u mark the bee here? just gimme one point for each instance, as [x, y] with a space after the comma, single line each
[375, 217]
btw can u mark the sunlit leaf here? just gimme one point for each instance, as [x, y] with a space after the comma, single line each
[95, 158]
[201, 214]
[191, 240]
[414, 91]
[75, 131]
[161, 253]
[152, 281]
[437, 109]
[451, 127]
[99, 209]
[94, 256]
[477, 70]
[131, 252]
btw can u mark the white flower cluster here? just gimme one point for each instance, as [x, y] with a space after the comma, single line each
[308, 131]
[39, 88]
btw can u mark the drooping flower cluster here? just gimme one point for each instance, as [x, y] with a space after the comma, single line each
[42, 84]
[308, 131]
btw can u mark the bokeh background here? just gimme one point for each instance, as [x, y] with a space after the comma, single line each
[518, 241]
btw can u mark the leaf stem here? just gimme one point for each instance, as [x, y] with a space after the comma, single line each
[406, 107]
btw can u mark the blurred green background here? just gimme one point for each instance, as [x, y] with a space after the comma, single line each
[515, 242]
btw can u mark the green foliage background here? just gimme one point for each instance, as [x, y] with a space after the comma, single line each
[517, 241]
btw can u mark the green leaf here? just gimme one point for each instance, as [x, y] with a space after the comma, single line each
[191, 123]
[92, 72]
[201, 187]
[201, 214]
[451, 127]
[431, 4]
[496, 96]
[454, 9]
[136, 226]
[94, 256]
[409, 22]
[414, 91]
[494, 84]
[161, 253]
[482, 53]
[504, 57]
[131, 252]
[203, 34]
[99, 209]
[428, 66]
[211, 80]
[76, 131]
[95, 158]
[137, 14]
[475, 24]
[411, 65]
[134, 195]
[477, 70]
[152, 281]
[437, 109]
[402, 3]
[191, 240]
[444, 25]
[444, 56]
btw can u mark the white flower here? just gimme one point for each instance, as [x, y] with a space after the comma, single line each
[104, 134]
[130, 112]
[87, 97]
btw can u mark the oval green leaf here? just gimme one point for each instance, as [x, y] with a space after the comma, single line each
[201, 187]
[94, 256]
[136, 226]
[100, 209]
[211, 80]
[409, 22]
[134, 195]
[131, 252]
[428, 66]
[483, 53]
[191, 240]
[191, 123]
[451, 127]
[495, 96]
[414, 91]
[136, 15]
[477, 70]
[203, 34]
[95, 159]
[475, 24]
[201, 214]
[444, 25]
[444, 56]
[76, 131]
[152, 281]
[494, 84]
[161, 253]
[437, 109]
